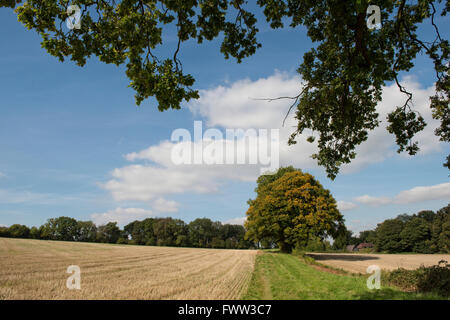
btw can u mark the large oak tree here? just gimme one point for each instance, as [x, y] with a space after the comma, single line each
[292, 207]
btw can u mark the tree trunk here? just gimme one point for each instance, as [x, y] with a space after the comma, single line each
[285, 247]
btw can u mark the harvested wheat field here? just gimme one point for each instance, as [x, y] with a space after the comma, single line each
[358, 263]
[36, 269]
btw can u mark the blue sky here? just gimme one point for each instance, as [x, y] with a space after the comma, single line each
[65, 130]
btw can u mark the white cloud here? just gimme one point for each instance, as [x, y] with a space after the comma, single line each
[373, 201]
[240, 106]
[416, 194]
[145, 183]
[163, 205]
[424, 193]
[150, 182]
[161, 156]
[233, 108]
[158, 153]
[236, 106]
[2, 174]
[122, 216]
[345, 205]
[237, 221]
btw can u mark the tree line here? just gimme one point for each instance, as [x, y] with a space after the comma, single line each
[200, 233]
[424, 232]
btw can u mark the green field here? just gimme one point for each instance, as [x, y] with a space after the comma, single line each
[288, 277]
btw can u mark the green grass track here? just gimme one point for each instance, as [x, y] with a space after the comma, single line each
[287, 277]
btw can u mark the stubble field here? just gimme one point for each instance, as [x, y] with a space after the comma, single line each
[36, 269]
[358, 262]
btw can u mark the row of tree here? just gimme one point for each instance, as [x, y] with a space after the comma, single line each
[291, 210]
[200, 233]
[424, 232]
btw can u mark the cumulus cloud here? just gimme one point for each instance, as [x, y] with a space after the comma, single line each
[416, 194]
[424, 193]
[346, 205]
[237, 221]
[145, 183]
[122, 216]
[160, 153]
[163, 177]
[373, 201]
[239, 105]
[236, 106]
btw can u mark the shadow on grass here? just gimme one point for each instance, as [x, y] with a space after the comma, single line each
[345, 257]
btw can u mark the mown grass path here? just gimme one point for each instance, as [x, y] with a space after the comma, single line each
[286, 277]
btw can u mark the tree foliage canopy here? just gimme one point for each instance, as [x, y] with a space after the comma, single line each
[424, 232]
[343, 74]
[200, 233]
[290, 209]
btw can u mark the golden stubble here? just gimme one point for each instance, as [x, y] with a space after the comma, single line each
[36, 269]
